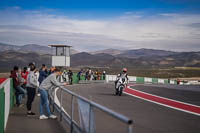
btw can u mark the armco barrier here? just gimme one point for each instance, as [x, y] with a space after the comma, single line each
[6, 102]
[166, 81]
[87, 106]
[154, 80]
[148, 80]
[82, 77]
[140, 80]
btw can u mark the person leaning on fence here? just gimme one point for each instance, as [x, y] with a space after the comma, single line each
[49, 83]
[31, 85]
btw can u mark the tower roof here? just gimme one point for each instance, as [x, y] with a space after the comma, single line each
[59, 45]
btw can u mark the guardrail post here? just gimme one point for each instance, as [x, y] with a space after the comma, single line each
[72, 113]
[90, 116]
[61, 95]
[130, 129]
[53, 93]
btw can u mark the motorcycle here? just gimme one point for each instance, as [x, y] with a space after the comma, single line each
[120, 85]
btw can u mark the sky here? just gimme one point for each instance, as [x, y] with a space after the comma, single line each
[90, 25]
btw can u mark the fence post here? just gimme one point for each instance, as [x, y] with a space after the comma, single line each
[130, 128]
[90, 116]
[61, 95]
[72, 113]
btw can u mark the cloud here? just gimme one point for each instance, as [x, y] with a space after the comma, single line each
[194, 25]
[170, 31]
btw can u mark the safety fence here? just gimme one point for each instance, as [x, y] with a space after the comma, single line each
[6, 101]
[86, 121]
[142, 80]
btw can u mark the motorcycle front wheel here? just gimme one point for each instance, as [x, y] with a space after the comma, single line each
[121, 90]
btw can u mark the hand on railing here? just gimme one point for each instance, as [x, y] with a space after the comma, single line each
[65, 84]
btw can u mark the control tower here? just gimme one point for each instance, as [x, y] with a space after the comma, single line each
[61, 55]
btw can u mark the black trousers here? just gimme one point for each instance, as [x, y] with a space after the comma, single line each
[30, 98]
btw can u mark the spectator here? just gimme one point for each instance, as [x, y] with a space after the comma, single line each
[19, 91]
[104, 75]
[96, 75]
[21, 83]
[24, 75]
[79, 74]
[86, 74]
[70, 75]
[92, 76]
[64, 75]
[46, 85]
[89, 74]
[32, 84]
[51, 70]
[42, 73]
[19, 77]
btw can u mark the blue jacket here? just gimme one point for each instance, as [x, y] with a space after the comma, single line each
[42, 76]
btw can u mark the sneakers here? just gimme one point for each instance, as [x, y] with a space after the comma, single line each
[43, 117]
[21, 105]
[52, 116]
[30, 114]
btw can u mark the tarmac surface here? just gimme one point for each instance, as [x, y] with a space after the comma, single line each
[147, 117]
[19, 122]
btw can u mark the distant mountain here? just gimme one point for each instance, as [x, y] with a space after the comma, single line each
[135, 53]
[141, 58]
[4, 47]
[11, 58]
[191, 59]
[108, 51]
[30, 48]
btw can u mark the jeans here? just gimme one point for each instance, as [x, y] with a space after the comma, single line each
[20, 92]
[44, 102]
[30, 98]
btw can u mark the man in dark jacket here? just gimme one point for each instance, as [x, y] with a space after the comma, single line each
[43, 73]
[70, 75]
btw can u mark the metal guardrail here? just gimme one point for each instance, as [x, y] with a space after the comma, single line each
[70, 118]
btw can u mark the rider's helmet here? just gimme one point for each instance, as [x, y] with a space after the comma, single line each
[124, 70]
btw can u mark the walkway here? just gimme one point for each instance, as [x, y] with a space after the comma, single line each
[18, 122]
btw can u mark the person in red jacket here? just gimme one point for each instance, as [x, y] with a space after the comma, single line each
[24, 74]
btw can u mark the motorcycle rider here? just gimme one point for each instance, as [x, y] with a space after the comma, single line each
[122, 75]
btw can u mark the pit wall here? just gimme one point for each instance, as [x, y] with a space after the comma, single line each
[6, 101]
[142, 80]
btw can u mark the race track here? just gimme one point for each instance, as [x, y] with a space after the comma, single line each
[148, 117]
